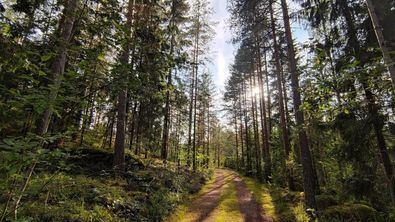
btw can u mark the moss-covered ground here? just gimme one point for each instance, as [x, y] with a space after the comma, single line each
[84, 188]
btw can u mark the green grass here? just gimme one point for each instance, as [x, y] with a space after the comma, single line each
[278, 203]
[85, 189]
[181, 212]
[228, 209]
[71, 198]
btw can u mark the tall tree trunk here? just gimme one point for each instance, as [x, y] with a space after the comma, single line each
[119, 153]
[255, 126]
[112, 129]
[196, 62]
[208, 136]
[269, 100]
[383, 17]
[290, 179]
[106, 134]
[165, 136]
[177, 136]
[241, 131]
[132, 126]
[119, 157]
[190, 120]
[194, 167]
[137, 149]
[264, 122]
[373, 108]
[58, 65]
[86, 120]
[237, 143]
[247, 134]
[307, 165]
[283, 123]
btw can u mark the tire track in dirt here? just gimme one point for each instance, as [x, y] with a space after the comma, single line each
[249, 207]
[203, 206]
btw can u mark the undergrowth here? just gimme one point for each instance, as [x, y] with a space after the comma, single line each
[79, 185]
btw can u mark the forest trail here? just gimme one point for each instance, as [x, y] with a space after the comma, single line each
[225, 198]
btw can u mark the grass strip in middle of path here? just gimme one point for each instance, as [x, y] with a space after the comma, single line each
[228, 208]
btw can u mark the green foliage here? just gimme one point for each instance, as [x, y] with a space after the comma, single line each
[349, 212]
[278, 203]
[84, 188]
[324, 201]
[64, 175]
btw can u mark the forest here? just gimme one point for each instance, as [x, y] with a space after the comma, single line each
[111, 110]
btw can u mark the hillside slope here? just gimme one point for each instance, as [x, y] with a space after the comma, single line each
[80, 186]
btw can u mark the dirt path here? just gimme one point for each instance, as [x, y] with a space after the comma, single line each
[212, 205]
[203, 206]
[251, 210]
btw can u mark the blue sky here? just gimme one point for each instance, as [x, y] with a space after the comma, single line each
[223, 51]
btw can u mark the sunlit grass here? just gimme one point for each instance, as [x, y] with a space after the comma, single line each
[181, 213]
[262, 196]
[276, 202]
[299, 211]
[228, 209]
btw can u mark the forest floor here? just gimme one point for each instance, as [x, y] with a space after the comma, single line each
[228, 197]
[79, 185]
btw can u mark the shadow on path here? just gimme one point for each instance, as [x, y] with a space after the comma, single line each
[249, 207]
[208, 201]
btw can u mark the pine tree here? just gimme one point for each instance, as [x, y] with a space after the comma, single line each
[65, 36]
[307, 164]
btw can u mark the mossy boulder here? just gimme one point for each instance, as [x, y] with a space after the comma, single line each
[349, 213]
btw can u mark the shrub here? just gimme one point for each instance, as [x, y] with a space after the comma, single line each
[349, 212]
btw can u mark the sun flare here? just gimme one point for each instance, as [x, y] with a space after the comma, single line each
[255, 91]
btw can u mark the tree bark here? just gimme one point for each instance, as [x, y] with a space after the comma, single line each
[237, 144]
[255, 126]
[241, 131]
[283, 123]
[119, 152]
[196, 61]
[247, 134]
[208, 137]
[58, 65]
[383, 17]
[373, 108]
[119, 155]
[269, 100]
[132, 126]
[165, 136]
[307, 165]
[264, 121]
[290, 179]
[191, 92]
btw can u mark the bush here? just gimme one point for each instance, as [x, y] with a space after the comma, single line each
[349, 212]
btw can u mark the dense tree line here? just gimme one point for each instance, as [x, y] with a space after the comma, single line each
[128, 76]
[330, 111]
[125, 71]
